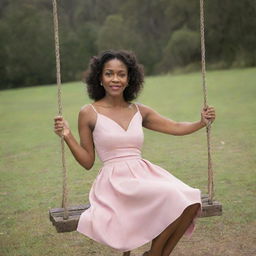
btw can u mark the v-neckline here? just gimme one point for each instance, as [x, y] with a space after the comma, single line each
[125, 130]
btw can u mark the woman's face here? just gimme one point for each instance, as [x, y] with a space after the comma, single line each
[114, 77]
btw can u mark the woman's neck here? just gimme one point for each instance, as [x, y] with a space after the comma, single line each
[114, 101]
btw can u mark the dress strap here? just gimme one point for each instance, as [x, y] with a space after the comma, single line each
[94, 108]
[136, 105]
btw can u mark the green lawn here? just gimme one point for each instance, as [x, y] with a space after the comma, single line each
[31, 179]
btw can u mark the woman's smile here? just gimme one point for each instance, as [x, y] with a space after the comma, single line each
[115, 87]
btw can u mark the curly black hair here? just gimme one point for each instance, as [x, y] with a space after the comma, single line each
[135, 74]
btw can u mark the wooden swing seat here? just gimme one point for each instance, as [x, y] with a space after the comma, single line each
[70, 224]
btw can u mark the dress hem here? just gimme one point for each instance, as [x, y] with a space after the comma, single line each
[188, 234]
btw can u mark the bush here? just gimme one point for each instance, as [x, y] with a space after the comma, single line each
[182, 49]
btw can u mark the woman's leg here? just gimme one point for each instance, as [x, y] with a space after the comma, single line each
[167, 240]
[159, 242]
[187, 217]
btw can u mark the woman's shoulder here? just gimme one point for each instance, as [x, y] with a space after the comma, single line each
[144, 109]
[86, 109]
[87, 113]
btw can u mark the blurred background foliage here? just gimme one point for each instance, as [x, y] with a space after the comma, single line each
[163, 33]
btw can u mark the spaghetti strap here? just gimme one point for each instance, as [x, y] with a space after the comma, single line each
[94, 108]
[137, 107]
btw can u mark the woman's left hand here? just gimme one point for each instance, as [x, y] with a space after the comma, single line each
[208, 115]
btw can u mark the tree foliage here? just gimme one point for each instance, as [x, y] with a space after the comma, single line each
[163, 33]
[182, 49]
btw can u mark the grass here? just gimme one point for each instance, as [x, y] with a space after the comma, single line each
[30, 178]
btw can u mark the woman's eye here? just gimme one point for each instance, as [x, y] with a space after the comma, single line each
[107, 73]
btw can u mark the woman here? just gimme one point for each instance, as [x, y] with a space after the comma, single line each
[132, 200]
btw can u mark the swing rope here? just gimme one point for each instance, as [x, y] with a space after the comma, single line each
[208, 126]
[58, 75]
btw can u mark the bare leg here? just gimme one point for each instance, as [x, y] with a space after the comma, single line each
[165, 241]
[187, 217]
[159, 242]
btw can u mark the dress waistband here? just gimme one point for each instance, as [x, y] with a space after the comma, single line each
[121, 159]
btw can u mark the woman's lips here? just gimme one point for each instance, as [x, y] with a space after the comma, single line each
[115, 87]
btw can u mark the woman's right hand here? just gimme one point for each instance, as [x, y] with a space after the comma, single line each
[61, 126]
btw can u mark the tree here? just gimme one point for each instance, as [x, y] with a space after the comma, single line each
[27, 46]
[115, 34]
[182, 49]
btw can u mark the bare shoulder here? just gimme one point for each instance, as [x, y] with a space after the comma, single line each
[145, 110]
[86, 109]
[87, 116]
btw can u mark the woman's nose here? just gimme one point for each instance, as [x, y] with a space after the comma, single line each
[115, 78]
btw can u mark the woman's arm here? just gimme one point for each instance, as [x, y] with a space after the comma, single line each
[83, 152]
[154, 121]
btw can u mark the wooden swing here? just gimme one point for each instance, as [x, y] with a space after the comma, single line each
[65, 219]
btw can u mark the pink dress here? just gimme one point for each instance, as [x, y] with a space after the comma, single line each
[132, 200]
